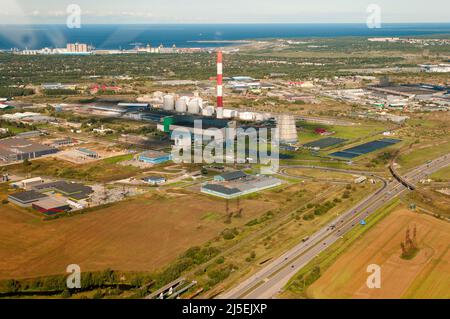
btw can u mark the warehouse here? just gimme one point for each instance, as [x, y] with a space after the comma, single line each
[19, 149]
[26, 199]
[220, 191]
[154, 180]
[28, 183]
[154, 157]
[73, 191]
[88, 153]
[230, 176]
[51, 206]
[238, 185]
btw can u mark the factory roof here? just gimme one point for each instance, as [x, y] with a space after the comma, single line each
[20, 145]
[74, 190]
[86, 151]
[229, 176]
[153, 154]
[27, 197]
[154, 178]
[221, 189]
[49, 203]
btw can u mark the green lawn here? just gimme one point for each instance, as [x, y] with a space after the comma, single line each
[118, 159]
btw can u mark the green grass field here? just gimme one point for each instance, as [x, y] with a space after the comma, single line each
[307, 134]
[442, 175]
[420, 155]
[100, 171]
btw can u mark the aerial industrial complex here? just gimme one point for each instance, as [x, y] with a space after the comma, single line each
[252, 169]
[51, 198]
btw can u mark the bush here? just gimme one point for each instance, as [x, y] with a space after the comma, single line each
[229, 234]
[253, 222]
[219, 275]
[199, 256]
[5, 201]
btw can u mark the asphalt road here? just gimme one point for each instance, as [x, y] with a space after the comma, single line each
[269, 281]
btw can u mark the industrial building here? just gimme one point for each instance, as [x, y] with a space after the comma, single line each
[118, 109]
[154, 157]
[51, 206]
[27, 198]
[234, 184]
[19, 149]
[209, 127]
[154, 180]
[88, 153]
[72, 191]
[28, 183]
[52, 197]
[230, 176]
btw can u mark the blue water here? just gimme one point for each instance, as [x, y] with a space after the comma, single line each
[125, 36]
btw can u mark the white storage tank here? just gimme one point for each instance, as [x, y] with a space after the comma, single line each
[208, 111]
[247, 116]
[195, 105]
[168, 102]
[181, 104]
[227, 113]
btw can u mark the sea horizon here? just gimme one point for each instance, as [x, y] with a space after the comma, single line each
[124, 36]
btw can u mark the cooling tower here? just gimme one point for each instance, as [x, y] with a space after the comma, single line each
[288, 129]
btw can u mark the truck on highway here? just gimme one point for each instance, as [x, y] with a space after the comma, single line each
[305, 239]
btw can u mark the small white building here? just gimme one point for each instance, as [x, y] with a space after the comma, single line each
[360, 180]
[27, 183]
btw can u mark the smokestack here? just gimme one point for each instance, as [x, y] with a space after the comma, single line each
[219, 109]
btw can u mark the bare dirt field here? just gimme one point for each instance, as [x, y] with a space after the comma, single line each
[427, 275]
[141, 234]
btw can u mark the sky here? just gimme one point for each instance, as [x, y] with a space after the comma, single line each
[225, 11]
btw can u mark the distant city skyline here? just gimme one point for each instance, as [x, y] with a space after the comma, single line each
[229, 11]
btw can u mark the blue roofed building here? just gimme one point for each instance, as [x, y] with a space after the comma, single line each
[154, 157]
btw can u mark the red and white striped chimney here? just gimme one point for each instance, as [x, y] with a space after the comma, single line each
[219, 109]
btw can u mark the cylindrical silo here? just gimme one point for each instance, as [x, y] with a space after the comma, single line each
[194, 106]
[247, 116]
[168, 102]
[181, 104]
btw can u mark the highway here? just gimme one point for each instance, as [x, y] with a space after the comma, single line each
[269, 281]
